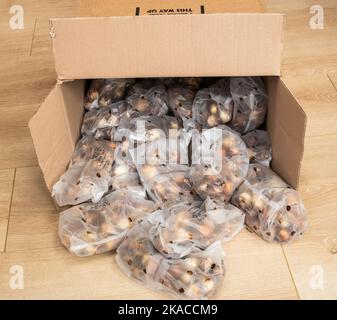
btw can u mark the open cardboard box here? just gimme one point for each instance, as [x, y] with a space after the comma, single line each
[171, 45]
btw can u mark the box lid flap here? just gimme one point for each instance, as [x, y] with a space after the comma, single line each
[104, 8]
[286, 125]
[53, 136]
[168, 45]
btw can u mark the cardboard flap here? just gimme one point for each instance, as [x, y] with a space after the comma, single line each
[286, 125]
[107, 8]
[168, 46]
[54, 139]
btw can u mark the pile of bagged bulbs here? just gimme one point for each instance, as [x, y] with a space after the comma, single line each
[165, 171]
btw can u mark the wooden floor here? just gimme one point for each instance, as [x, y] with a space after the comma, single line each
[255, 269]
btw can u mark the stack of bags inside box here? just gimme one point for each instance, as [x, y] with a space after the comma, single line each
[165, 171]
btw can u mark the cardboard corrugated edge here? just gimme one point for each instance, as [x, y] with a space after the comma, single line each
[168, 46]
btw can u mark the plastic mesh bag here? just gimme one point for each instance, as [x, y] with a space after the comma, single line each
[198, 276]
[96, 167]
[145, 128]
[213, 106]
[124, 173]
[148, 98]
[136, 256]
[223, 164]
[89, 123]
[89, 174]
[163, 171]
[103, 122]
[103, 92]
[167, 184]
[88, 228]
[184, 227]
[259, 146]
[84, 149]
[273, 210]
[181, 100]
[250, 103]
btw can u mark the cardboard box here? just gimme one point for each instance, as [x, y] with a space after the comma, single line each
[165, 44]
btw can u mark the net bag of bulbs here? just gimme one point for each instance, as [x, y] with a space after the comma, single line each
[180, 101]
[89, 174]
[166, 212]
[104, 92]
[148, 98]
[183, 228]
[198, 276]
[139, 129]
[93, 228]
[166, 183]
[223, 165]
[258, 146]
[273, 210]
[213, 106]
[103, 122]
[250, 103]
